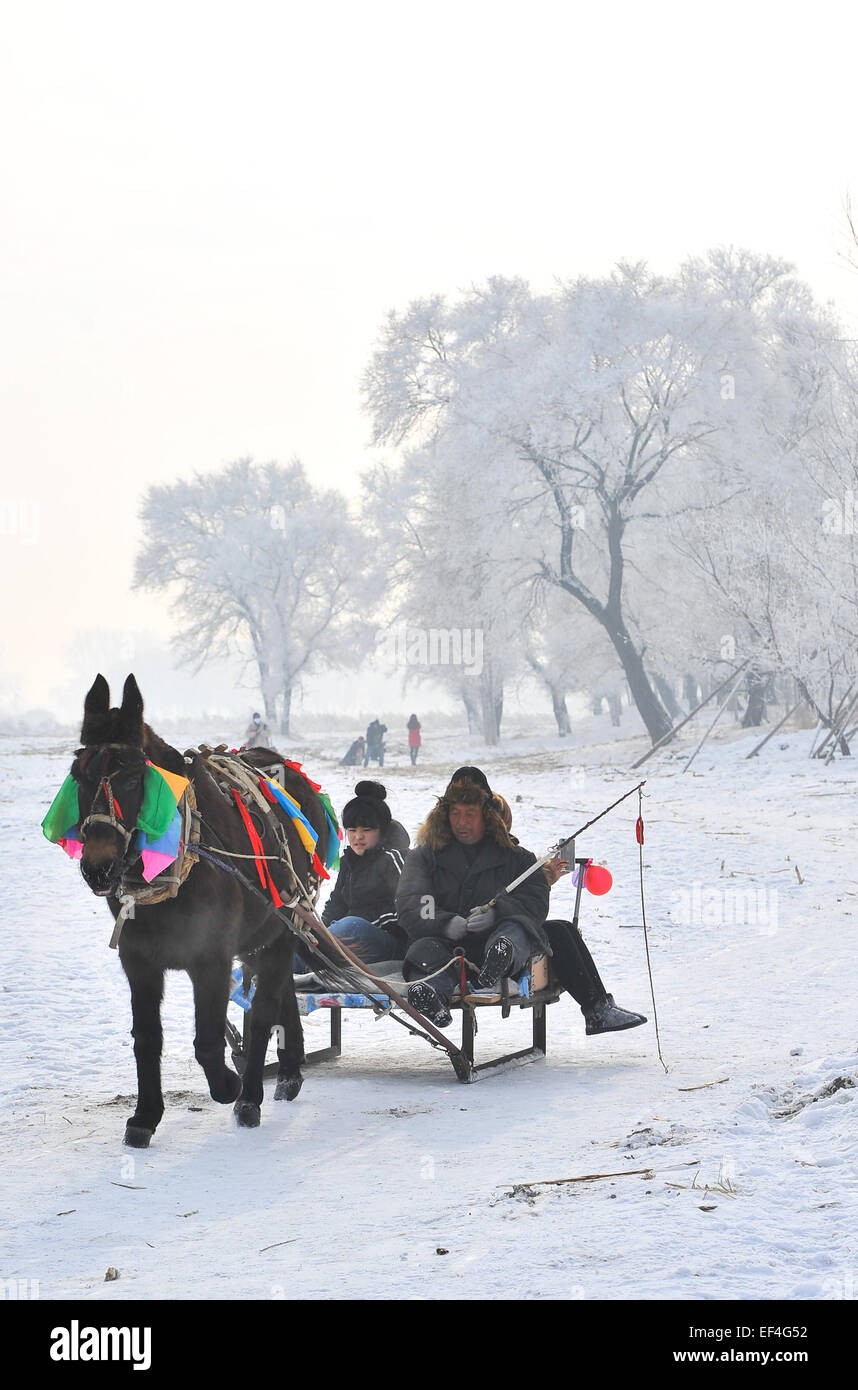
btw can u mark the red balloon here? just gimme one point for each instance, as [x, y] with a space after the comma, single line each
[598, 880]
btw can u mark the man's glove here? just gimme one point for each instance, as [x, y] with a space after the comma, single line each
[456, 929]
[481, 919]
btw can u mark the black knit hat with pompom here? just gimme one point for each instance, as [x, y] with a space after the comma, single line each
[369, 808]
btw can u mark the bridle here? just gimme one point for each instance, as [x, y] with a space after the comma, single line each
[112, 814]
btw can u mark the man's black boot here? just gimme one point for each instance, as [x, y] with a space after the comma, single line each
[499, 958]
[605, 1017]
[429, 1003]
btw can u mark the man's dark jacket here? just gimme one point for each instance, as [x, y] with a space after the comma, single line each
[439, 884]
[366, 883]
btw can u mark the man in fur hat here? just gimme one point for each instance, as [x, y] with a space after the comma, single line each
[466, 856]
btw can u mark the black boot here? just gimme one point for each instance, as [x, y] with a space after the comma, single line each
[605, 1017]
[429, 1003]
[499, 959]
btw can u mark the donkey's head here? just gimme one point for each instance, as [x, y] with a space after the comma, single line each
[109, 772]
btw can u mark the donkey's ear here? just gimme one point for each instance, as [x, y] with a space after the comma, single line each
[95, 710]
[131, 712]
[98, 697]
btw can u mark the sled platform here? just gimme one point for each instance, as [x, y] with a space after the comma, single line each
[533, 992]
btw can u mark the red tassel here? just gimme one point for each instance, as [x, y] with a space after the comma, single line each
[296, 767]
[639, 830]
[256, 845]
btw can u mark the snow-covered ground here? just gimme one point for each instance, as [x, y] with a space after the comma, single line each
[387, 1178]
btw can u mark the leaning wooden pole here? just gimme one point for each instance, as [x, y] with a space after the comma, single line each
[835, 724]
[733, 688]
[840, 733]
[754, 751]
[675, 730]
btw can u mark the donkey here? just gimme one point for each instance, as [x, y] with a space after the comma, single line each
[213, 918]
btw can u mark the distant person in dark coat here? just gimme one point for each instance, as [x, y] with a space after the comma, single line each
[414, 739]
[362, 906]
[375, 743]
[354, 757]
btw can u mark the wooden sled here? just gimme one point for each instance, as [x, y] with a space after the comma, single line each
[536, 989]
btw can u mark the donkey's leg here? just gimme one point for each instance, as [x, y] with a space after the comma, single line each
[147, 991]
[210, 980]
[264, 1015]
[291, 1054]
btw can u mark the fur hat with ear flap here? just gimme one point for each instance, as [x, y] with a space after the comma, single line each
[368, 808]
[467, 787]
[469, 774]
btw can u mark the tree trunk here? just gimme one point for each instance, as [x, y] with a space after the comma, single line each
[489, 708]
[561, 713]
[471, 709]
[558, 694]
[285, 709]
[668, 699]
[650, 708]
[692, 691]
[269, 696]
[610, 614]
[755, 689]
[615, 705]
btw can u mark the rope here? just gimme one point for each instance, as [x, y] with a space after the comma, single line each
[423, 979]
[233, 854]
[640, 839]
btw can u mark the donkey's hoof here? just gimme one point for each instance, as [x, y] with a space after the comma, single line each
[288, 1087]
[226, 1089]
[247, 1114]
[137, 1136]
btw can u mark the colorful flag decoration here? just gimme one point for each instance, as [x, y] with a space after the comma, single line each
[159, 821]
[162, 791]
[158, 853]
[332, 858]
[63, 813]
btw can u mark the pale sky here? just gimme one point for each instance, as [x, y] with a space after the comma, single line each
[207, 210]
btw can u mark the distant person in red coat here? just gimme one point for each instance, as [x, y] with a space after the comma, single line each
[413, 727]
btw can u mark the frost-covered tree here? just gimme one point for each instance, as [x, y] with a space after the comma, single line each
[588, 404]
[778, 558]
[614, 419]
[265, 566]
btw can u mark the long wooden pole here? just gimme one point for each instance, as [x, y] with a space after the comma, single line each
[840, 731]
[755, 750]
[721, 710]
[675, 730]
